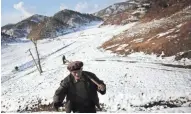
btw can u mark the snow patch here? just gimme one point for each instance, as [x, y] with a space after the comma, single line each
[121, 47]
[138, 40]
[165, 33]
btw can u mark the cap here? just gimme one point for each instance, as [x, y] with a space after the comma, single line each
[76, 65]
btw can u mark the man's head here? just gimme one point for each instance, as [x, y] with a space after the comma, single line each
[75, 69]
[77, 74]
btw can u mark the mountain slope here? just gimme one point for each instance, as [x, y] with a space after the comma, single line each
[22, 28]
[65, 21]
[164, 29]
[62, 22]
[124, 12]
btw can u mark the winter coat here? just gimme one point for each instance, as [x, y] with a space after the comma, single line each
[67, 89]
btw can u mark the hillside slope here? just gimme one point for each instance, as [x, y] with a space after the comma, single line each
[137, 83]
[124, 12]
[163, 30]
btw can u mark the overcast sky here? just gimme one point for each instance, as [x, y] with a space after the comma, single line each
[13, 11]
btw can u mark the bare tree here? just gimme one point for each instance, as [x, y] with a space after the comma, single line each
[34, 36]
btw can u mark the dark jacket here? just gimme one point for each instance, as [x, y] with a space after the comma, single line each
[67, 89]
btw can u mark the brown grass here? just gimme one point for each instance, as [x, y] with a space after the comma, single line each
[177, 40]
[164, 8]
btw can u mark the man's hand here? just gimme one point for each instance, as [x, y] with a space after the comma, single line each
[57, 105]
[101, 87]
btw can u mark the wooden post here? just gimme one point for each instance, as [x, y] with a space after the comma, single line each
[34, 61]
[40, 68]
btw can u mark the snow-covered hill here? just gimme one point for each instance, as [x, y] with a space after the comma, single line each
[136, 83]
[124, 12]
[60, 23]
[66, 21]
[22, 28]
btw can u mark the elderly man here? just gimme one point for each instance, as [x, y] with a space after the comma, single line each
[80, 89]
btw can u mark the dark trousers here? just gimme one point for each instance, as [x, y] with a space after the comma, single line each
[84, 109]
[87, 110]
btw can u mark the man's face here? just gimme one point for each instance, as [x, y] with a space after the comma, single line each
[77, 74]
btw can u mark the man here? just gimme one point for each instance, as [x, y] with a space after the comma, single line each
[80, 89]
[64, 59]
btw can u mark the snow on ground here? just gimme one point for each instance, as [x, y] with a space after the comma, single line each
[132, 82]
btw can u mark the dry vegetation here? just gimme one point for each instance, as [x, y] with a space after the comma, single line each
[165, 28]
